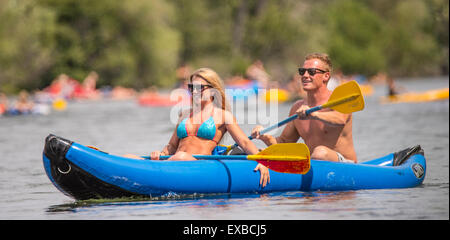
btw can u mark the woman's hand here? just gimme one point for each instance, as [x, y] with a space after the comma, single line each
[155, 155]
[265, 176]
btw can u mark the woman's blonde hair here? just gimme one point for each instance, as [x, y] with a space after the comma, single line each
[216, 82]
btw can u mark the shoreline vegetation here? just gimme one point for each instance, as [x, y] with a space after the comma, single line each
[142, 46]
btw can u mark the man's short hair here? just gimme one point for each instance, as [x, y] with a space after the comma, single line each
[322, 57]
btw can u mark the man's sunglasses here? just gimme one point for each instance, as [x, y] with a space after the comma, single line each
[311, 71]
[198, 87]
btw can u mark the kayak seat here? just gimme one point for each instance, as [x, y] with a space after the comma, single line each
[237, 151]
[401, 156]
[222, 150]
[219, 150]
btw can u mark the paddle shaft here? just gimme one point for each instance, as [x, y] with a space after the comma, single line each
[210, 157]
[283, 157]
[309, 111]
[289, 119]
[242, 157]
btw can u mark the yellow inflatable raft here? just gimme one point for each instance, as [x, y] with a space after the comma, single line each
[415, 97]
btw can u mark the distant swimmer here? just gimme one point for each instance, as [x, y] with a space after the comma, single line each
[23, 104]
[393, 89]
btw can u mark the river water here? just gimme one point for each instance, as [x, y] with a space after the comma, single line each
[120, 127]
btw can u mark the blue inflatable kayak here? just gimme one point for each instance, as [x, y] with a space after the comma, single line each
[82, 172]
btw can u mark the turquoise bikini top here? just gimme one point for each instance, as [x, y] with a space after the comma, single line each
[207, 130]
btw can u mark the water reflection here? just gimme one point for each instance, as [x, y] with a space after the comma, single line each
[217, 201]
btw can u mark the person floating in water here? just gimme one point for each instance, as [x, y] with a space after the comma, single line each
[24, 104]
[393, 89]
[4, 104]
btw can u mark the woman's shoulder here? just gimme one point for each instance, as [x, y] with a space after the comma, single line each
[223, 111]
[184, 113]
[223, 114]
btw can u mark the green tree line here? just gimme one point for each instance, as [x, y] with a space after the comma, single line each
[137, 43]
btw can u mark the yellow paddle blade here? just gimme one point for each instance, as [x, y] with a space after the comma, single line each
[346, 98]
[285, 158]
[287, 149]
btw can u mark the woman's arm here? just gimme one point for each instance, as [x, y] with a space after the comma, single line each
[172, 146]
[238, 135]
[247, 145]
[169, 149]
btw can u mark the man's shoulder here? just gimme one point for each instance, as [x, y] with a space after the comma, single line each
[296, 105]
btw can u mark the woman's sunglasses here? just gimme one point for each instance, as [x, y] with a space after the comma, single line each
[311, 71]
[198, 87]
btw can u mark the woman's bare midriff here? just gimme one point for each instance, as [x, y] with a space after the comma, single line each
[195, 145]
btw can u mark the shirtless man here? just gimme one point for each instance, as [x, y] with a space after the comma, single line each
[327, 133]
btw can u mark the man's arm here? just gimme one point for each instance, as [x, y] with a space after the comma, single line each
[331, 117]
[289, 134]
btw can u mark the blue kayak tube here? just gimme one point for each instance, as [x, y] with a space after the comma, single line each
[83, 172]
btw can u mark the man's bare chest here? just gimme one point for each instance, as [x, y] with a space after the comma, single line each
[316, 128]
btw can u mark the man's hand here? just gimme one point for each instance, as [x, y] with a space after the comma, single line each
[266, 138]
[301, 112]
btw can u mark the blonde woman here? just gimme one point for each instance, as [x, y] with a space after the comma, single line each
[200, 128]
